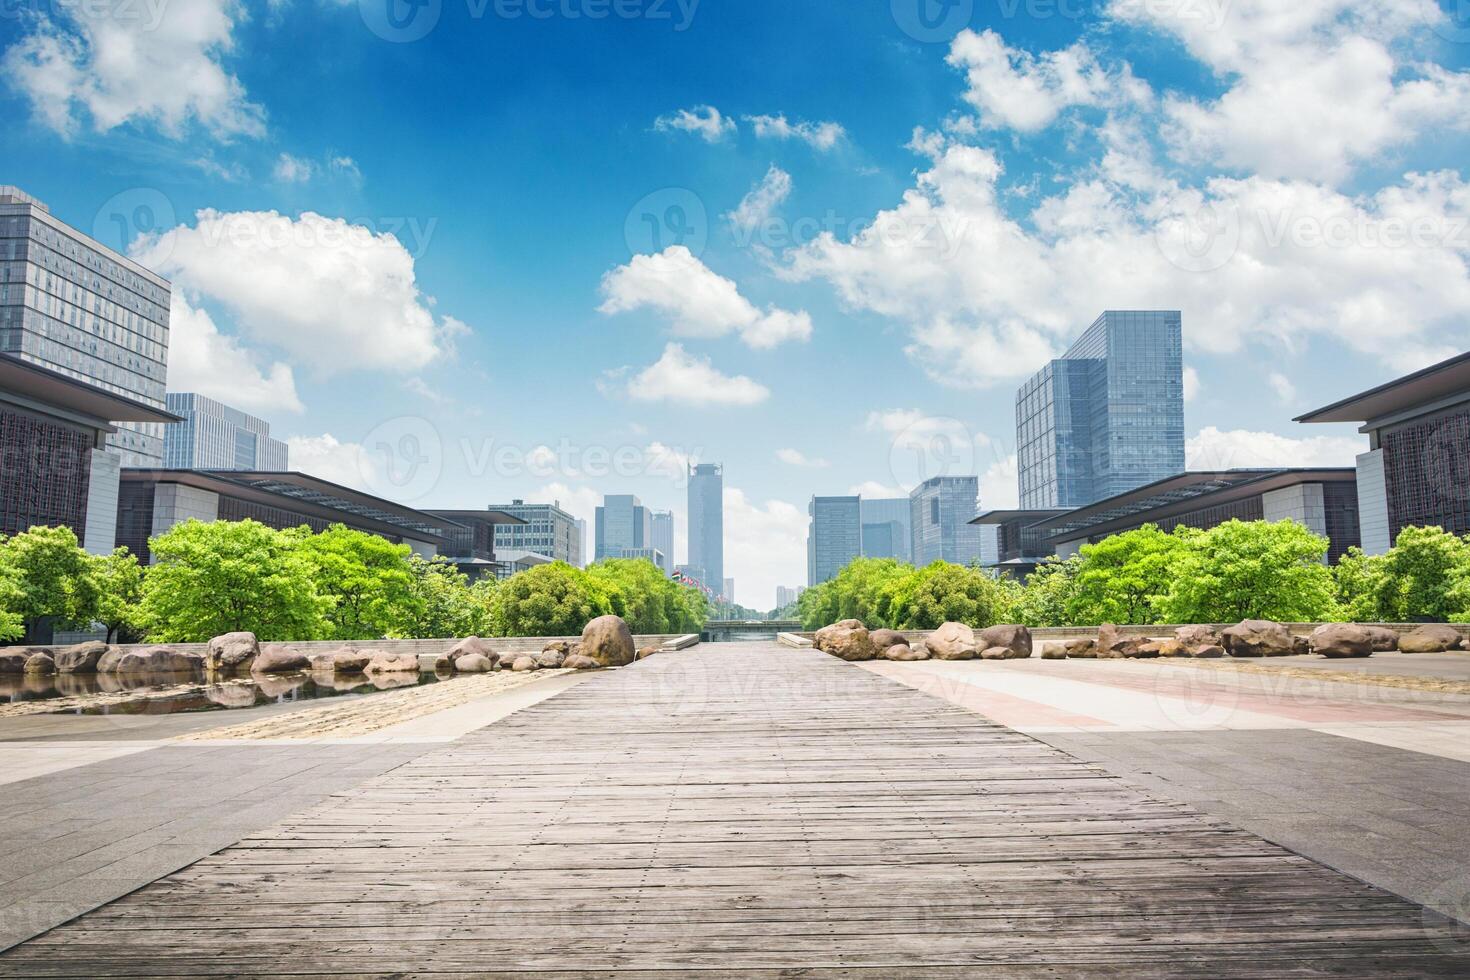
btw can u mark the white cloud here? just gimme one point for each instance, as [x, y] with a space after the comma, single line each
[795, 457]
[110, 64]
[327, 458]
[822, 136]
[874, 490]
[335, 296]
[999, 486]
[1191, 383]
[768, 550]
[761, 202]
[681, 377]
[205, 361]
[1014, 89]
[704, 121]
[700, 302]
[1213, 449]
[292, 170]
[579, 501]
[1283, 386]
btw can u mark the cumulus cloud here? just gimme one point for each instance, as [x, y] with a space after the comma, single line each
[699, 302]
[822, 136]
[1214, 449]
[104, 65]
[687, 379]
[205, 361]
[334, 295]
[999, 485]
[769, 550]
[757, 207]
[1191, 383]
[328, 458]
[795, 457]
[292, 169]
[704, 121]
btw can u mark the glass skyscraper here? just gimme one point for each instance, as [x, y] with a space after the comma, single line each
[886, 528]
[623, 525]
[214, 436]
[707, 522]
[1107, 416]
[834, 536]
[940, 512]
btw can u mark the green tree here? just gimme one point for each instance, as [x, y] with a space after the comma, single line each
[52, 578]
[119, 580]
[1123, 578]
[1049, 594]
[12, 626]
[214, 578]
[439, 604]
[548, 600]
[1251, 570]
[368, 580]
[863, 589]
[944, 592]
[651, 602]
[1419, 576]
[1359, 579]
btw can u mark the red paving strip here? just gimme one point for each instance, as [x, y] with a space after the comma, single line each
[1314, 708]
[1006, 709]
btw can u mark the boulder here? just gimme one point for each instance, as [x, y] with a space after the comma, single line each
[1198, 636]
[40, 663]
[1053, 651]
[1208, 651]
[14, 661]
[902, 651]
[1171, 648]
[80, 659]
[953, 641]
[996, 653]
[349, 661]
[1081, 648]
[1430, 639]
[608, 641]
[575, 661]
[1112, 645]
[383, 662]
[523, 663]
[439, 663]
[1016, 639]
[847, 640]
[550, 659]
[1258, 638]
[1140, 649]
[471, 645]
[150, 660]
[885, 638]
[647, 652]
[560, 646]
[1384, 639]
[474, 663]
[1341, 640]
[232, 651]
[1300, 646]
[278, 658]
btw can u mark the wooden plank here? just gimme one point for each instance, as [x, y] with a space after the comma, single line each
[746, 812]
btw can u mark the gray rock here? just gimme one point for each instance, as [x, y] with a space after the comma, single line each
[953, 641]
[471, 645]
[349, 661]
[523, 663]
[1207, 651]
[560, 646]
[80, 659]
[150, 660]
[550, 659]
[904, 652]
[1384, 639]
[575, 661]
[1192, 636]
[608, 641]
[474, 663]
[996, 653]
[1259, 638]
[1112, 645]
[278, 658]
[383, 662]
[1341, 640]
[1433, 638]
[1054, 651]
[882, 639]
[1081, 648]
[13, 661]
[40, 663]
[232, 651]
[1016, 639]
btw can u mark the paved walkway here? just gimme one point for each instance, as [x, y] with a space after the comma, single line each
[767, 813]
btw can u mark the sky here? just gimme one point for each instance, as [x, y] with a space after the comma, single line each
[463, 251]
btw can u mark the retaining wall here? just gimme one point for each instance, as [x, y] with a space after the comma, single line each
[423, 648]
[1160, 632]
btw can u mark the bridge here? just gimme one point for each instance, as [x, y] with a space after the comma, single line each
[731, 630]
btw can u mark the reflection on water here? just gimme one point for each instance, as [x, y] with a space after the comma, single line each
[198, 693]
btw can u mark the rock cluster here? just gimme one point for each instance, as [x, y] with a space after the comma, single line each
[851, 640]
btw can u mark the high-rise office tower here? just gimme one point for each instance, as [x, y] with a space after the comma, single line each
[548, 531]
[940, 511]
[214, 436]
[1107, 416]
[834, 536]
[707, 522]
[623, 524]
[730, 590]
[881, 539]
[663, 538]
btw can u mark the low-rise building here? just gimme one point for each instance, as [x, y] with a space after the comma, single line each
[213, 436]
[1020, 542]
[548, 530]
[470, 544]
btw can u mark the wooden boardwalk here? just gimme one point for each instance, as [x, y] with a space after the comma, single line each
[752, 812]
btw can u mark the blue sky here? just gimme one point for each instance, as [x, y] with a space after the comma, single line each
[433, 264]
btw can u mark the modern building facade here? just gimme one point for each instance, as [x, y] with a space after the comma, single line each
[663, 538]
[470, 541]
[1107, 416]
[622, 524]
[1021, 543]
[707, 521]
[786, 596]
[1416, 471]
[941, 509]
[647, 554]
[1324, 500]
[213, 436]
[152, 501]
[729, 592]
[74, 306]
[834, 536]
[548, 530]
[55, 468]
[881, 538]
